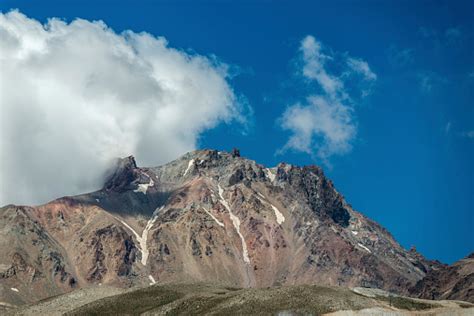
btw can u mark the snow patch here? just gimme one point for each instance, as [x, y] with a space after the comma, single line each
[269, 174]
[190, 164]
[14, 289]
[279, 216]
[364, 247]
[152, 279]
[236, 223]
[142, 240]
[144, 187]
[213, 217]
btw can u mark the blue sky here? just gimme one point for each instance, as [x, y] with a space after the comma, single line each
[410, 162]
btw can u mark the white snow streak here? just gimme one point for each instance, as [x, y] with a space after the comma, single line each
[130, 228]
[269, 174]
[14, 289]
[213, 217]
[144, 187]
[152, 279]
[142, 240]
[236, 222]
[364, 247]
[190, 164]
[279, 216]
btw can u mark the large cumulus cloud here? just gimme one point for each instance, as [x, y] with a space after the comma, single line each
[73, 96]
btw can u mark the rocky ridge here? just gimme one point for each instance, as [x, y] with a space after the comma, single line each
[454, 282]
[207, 216]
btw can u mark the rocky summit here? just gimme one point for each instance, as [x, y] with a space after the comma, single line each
[209, 216]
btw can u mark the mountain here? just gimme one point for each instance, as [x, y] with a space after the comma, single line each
[208, 216]
[455, 282]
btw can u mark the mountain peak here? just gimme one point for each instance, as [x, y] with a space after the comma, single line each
[124, 174]
[207, 216]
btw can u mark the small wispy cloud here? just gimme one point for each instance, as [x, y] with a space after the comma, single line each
[453, 33]
[429, 80]
[323, 124]
[427, 32]
[314, 67]
[450, 37]
[426, 83]
[447, 128]
[361, 67]
[400, 57]
[469, 134]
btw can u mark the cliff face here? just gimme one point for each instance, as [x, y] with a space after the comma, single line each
[207, 216]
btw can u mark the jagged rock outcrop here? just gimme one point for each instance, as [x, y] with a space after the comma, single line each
[124, 177]
[455, 282]
[207, 216]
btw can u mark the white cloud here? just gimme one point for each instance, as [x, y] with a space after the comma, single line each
[323, 124]
[314, 67]
[74, 96]
[361, 67]
[330, 120]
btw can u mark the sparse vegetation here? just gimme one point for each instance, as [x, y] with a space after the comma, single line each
[406, 303]
[215, 299]
[201, 299]
[131, 303]
[465, 305]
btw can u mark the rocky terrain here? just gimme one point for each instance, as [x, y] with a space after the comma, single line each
[208, 216]
[455, 282]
